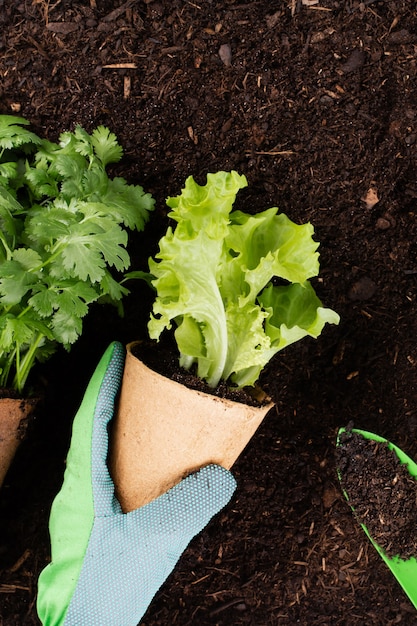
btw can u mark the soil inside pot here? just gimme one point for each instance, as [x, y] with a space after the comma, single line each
[381, 491]
[162, 357]
[6, 392]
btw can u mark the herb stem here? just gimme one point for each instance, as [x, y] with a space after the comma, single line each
[24, 365]
[49, 260]
[4, 378]
[6, 247]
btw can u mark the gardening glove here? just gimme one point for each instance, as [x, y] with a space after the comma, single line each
[107, 565]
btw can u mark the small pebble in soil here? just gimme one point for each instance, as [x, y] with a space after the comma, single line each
[362, 289]
[381, 491]
[382, 223]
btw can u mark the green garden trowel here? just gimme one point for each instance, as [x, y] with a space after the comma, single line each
[404, 570]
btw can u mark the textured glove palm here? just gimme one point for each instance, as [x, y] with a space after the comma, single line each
[107, 565]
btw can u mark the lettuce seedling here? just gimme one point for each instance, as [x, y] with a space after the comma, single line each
[63, 233]
[214, 280]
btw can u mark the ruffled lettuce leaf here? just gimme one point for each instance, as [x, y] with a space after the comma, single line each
[213, 274]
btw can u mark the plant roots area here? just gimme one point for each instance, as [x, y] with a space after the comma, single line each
[315, 101]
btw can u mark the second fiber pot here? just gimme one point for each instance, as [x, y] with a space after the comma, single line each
[163, 431]
[15, 414]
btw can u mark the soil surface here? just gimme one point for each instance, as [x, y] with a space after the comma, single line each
[162, 357]
[315, 102]
[381, 491]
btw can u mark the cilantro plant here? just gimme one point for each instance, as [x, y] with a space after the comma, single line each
[63, 236]
[214, 279]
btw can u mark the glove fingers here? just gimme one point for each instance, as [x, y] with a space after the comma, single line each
[188, 507]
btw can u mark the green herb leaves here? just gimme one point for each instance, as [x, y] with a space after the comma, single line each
[13, 135]
[62, 236]
[213, 277]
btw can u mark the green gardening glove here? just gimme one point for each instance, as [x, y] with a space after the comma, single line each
[107, 565]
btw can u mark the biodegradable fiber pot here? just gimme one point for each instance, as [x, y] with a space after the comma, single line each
[163, 431]
[14, 417]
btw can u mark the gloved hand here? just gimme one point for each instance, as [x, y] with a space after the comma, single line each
[107, 565]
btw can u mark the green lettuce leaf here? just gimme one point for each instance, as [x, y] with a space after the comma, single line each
[188, 293]
[213, 279]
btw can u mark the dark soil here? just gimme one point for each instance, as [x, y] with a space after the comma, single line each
[381, 491]
[316, 105]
